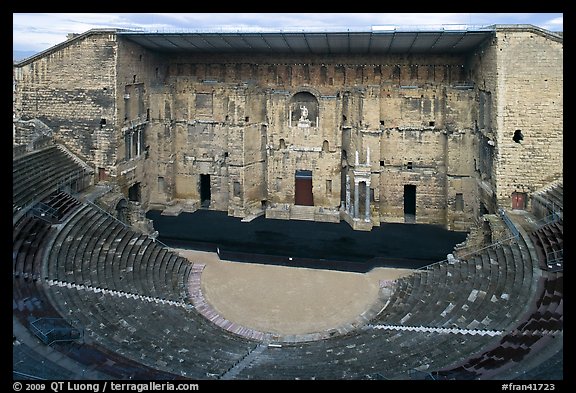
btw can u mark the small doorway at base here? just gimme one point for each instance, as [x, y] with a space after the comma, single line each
[134, 193]
[303, 188]
[205, 194]
[519, 200]
[409, 203]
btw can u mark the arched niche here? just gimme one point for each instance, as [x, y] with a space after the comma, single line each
[121, 209]
[304, 110]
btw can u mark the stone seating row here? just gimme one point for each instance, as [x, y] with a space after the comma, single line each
[482, 292]
[95, 249]
[84, 236]
[30, 365]
[28, 247]
[362, 354]
[37, 175]
[171, 339]
[29, 298]
[61, 204]
[32, 300]
[535, 330]
[549, 244]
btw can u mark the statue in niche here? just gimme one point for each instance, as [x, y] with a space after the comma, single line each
[303, 113]
[304, 121]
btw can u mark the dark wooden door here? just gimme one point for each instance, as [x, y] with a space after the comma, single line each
[518, 200]
[303, 189]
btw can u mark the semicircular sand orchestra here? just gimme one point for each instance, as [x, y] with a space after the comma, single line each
[286, 300]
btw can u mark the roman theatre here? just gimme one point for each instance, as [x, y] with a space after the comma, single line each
[312, 204]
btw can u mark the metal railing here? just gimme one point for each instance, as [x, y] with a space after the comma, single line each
[476, 251]
[549, 219]
[509, 223]
[51, 330]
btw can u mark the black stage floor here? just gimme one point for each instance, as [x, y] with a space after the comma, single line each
[306, 243]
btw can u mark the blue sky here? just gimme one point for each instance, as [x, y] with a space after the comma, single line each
[35, 32]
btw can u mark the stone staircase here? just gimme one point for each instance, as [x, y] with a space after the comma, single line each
[305, 213]
[244, 362]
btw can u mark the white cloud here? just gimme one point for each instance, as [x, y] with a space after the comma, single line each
[556, 24]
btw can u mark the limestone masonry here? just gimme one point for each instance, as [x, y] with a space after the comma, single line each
[434, 130]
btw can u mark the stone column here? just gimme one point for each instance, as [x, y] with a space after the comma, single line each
[356, 199]
[367, 213]
[348, 193]
[130, 152]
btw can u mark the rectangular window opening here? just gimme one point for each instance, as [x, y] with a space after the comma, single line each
[459, 203]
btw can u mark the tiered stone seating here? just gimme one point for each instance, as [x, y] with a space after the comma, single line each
[28, 247]
[476, 293]
[172, 339]
[548, 314]
[33, 299]
[549, 201]
[97, 252]
[549, 243]
[551, 369]
[111, 364]
[129, 294]
[527, 339]
[362, 355]
[36, 175]
[555, 194]
[95, 249]
[56, 206]
[32, 366]
[485, 292]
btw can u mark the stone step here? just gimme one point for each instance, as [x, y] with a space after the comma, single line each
[304, 213]
[244, 362]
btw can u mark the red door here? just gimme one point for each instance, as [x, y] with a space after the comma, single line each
[519, 200]
[303, 189]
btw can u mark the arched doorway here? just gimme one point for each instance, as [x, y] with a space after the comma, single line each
[122, 211]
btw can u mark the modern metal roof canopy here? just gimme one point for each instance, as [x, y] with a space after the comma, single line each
[375, 41]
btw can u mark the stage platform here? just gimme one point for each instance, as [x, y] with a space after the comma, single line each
[307, 244]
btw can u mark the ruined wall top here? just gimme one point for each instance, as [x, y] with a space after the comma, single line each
[71, 39]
